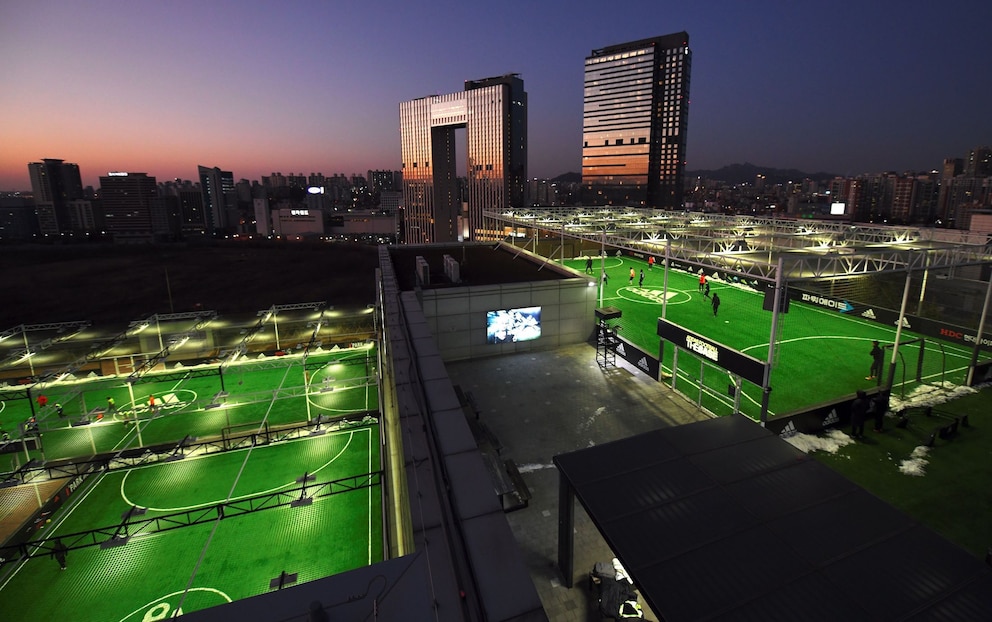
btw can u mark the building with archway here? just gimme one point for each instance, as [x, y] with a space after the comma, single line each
[493, 112]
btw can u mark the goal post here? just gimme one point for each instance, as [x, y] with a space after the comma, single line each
[914, 363]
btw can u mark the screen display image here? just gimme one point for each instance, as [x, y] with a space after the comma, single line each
[512, 325]
[837, 209]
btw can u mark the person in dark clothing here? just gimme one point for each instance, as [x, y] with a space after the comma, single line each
[879, 405]
[59, 551]
[876, 361]
[588, 265]
[859, 408]
[640, 281]
[716, 303]
[706, 291]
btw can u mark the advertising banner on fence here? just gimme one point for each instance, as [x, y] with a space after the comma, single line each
[921, 325]
[41, 519]
[638, 358]
[733, 361]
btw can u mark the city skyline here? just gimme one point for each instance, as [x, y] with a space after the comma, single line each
[307, 86]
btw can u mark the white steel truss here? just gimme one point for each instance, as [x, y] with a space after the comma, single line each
[751, 247]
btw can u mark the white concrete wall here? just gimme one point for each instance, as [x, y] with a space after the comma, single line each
[457, 316]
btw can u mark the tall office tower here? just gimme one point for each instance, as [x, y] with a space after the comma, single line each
[634, 118]
[192, 217]
[55, 184]
[979, 163]
[903, 189]
[493, 112]
[219, 198]
[128, 201]
[381, 181]
[952, 168]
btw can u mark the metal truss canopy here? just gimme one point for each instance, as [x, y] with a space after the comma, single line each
[752, 247]
[61, 327]
[202, 319]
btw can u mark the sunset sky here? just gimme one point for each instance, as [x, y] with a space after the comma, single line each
[314, 86]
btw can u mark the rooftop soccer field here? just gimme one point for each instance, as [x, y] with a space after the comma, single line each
[300, 493]
[821, 354]
[184, 554]
[196, 402]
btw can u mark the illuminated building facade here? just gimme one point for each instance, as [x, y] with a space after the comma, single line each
[634, 118]
[493, 112]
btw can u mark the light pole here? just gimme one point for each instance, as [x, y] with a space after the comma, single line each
[978, 335]
[602, 266]
[134, 413]
[275, 323]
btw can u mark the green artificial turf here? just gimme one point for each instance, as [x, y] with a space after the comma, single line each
[821, 354]
[952, 497]
[233, 558]
[217, 560]
[251, 392]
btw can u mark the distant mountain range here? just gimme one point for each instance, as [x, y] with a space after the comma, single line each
[736, 174]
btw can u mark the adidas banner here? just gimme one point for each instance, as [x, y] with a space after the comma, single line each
[638, 358]
[736, 362]
[920, 325]
[816, 419]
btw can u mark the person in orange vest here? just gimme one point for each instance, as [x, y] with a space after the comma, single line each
[702, 281]
[632, 275]
[152, 408]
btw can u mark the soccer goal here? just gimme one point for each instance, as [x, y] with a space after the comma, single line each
[915, 364]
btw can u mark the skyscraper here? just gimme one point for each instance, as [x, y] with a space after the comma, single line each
[979, 162]
[219, 202]
[493, 112]
[129, 206]
[55, 184]
[634, 118]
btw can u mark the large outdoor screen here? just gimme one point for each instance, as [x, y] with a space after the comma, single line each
[512, 325]
[837, 209]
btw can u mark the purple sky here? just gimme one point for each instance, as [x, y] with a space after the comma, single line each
[314, 86]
